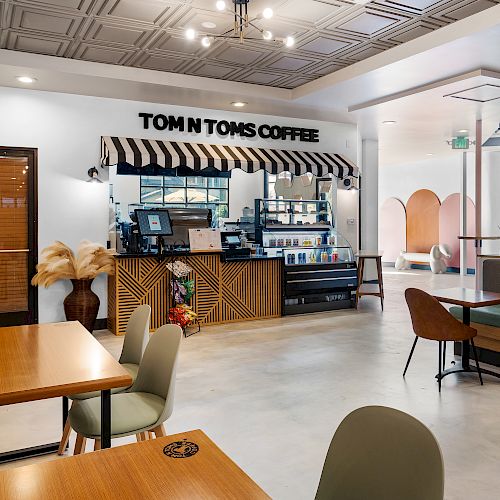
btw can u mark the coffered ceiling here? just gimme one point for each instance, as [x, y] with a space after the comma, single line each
[329, 34]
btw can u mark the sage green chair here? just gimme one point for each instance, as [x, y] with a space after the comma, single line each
[134, 343]
[379, 453]
[145, 406]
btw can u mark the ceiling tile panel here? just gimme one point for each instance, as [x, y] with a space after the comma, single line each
[289, 63]
[36, 44]
[212, 70]
[100, 54]
[116, 34]
[315, 12]
[411, 34]
[239, 55]
[323, 45]
[469, 9]
[329, 34]
[147, 11]
[368, 23]
[261, 78]
[43, 21]
[160, 63]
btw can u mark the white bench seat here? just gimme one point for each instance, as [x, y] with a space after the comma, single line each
[417, 257]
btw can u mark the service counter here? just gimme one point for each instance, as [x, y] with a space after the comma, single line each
[225, 290]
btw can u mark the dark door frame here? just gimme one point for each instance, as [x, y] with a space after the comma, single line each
[32, 174]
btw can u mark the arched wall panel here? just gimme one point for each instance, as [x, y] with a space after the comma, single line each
[422, 221]
[392, 229]
[449, 229]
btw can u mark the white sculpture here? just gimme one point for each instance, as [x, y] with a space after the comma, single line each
[438, 254]
[401, 263]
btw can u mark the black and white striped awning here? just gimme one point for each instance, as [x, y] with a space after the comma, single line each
[140, 153]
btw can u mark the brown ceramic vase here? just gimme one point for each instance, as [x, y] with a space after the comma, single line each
[82, 304]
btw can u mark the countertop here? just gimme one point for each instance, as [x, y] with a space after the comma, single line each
[184, 253]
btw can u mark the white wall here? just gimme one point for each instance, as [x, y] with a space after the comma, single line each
[440, 174]
[490, 218]
[67, 129]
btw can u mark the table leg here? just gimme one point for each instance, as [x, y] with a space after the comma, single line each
[106, 419]
[380, 280]
[65, 409]
[466, 343]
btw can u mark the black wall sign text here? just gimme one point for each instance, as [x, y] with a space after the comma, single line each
[225, 128]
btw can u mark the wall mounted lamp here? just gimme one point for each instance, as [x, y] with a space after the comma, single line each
[93, 174]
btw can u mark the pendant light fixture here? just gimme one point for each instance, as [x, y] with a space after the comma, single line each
[243, 24]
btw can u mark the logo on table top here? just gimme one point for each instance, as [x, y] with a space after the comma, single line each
[181, 449]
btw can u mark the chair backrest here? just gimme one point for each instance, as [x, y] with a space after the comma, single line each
[379, 453]
[158, 367]
[136, 335]
[432, 321]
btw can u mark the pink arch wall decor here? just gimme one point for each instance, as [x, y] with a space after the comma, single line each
[392, 229]
[449, 229]
[422, 221]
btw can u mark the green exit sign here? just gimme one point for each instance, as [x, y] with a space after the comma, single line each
[460, 143]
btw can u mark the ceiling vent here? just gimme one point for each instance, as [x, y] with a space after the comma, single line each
[482, 93]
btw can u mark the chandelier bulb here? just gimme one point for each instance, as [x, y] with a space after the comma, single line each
[206, 41]
[267, 13]
[289, 41]
[267, 35]
[190, 34]
[220, 5]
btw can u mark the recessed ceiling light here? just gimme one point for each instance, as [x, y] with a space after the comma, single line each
[430, 154]
[463, 131]
[209, 25]
[389, 122]
[220, 5]
[239, 104]
[26, 79]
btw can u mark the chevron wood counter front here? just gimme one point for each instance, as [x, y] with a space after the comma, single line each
[224, 291]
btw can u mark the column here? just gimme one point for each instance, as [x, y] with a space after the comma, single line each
[369, 201]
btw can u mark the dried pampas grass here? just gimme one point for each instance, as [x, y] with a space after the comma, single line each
[58, 262]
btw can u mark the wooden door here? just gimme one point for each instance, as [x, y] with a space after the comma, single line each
[18, 231]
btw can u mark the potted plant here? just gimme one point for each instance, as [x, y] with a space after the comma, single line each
[59, 262]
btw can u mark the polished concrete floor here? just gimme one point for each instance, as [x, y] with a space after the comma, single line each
[271, 393]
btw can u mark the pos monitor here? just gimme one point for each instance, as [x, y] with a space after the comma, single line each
[154, 222]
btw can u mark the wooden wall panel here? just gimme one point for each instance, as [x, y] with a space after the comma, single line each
[224, 291]
[422, 221]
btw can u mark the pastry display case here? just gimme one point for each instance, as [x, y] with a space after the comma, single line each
[320, 269]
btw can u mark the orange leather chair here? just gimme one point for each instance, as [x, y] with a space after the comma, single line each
[433, 322]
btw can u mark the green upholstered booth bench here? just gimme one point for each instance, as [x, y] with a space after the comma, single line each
[486, 320]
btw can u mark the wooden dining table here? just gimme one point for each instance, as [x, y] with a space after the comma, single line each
[56, 360]
[468, 299]
[183, 466]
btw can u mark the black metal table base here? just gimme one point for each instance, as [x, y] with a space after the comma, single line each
[34, 451]
[45, 449]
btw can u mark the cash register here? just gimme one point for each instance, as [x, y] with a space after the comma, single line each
[231, 246]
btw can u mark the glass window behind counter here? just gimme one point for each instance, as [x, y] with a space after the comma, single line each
[186, 192]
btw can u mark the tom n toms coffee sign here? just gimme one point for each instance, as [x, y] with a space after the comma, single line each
[228, 128]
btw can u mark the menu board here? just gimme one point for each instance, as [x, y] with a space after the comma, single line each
[206, 239]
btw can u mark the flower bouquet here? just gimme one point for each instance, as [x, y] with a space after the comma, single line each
[182, 291]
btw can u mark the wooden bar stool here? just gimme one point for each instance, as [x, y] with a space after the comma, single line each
[374, 289]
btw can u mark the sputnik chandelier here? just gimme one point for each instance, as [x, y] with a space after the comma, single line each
[242, 25]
